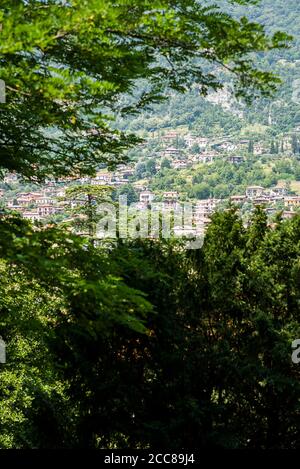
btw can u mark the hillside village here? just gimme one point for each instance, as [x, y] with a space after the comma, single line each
[181, 152]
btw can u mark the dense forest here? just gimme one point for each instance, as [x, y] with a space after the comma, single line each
[142, 343]
[150, 345]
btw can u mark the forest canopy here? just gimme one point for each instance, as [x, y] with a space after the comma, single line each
[139, 343]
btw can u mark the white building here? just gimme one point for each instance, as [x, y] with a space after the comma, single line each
[254, 191]
[146, 197]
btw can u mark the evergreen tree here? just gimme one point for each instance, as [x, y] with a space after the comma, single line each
[165, 164]
[273, 148]
[295, 144]
[251, 147]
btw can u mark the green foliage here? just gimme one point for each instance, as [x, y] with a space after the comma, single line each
[70, 67]
[200, 191]
[84, 208]
[150, 167]
[128, 191]
[165, 164]
[50, 280]
[221, 179]
[139, 344]
[295, 144]
[211, 370]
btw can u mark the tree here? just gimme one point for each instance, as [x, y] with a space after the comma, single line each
[201, 191]
[130, 193]
[180, 142]
[70, 67]
[218, 345]
[221, 191]
[151, 166]
[295, 144]
[273, 148]
[207, 364]
[195, 149]
[84, 209]
[251, 147]
[54, 282]
[165, 164]
[140, 170]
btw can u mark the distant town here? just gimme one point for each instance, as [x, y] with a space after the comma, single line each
[177, 151]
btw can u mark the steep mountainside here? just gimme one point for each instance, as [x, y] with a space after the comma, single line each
[283, 112]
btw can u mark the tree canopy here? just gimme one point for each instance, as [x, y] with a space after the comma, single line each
[71, 67]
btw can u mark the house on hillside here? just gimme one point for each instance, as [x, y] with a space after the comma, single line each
[103, 176]
[292, 201]
[10, 178]
[179, 164]
[238, 199]
[254, 191]
[31, 215]
[236, 159]
[169, 136]
[258, 149]
[171, 152]
[278, 191]
[170, 199]
[45, 210]
[288, 215]
[146, 197]
[206, 157]
[262, 200]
